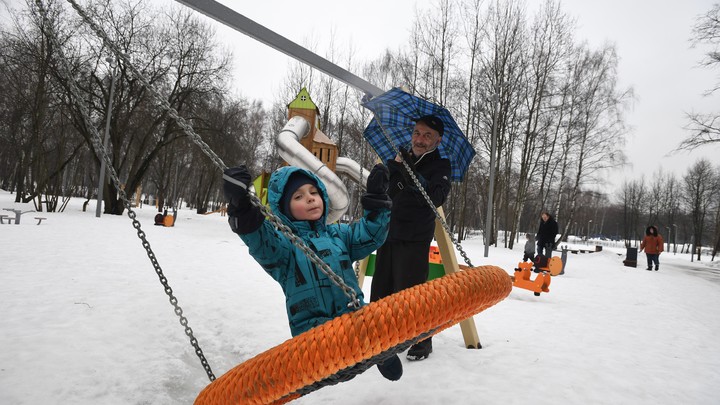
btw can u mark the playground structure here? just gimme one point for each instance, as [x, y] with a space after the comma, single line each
[541, 283]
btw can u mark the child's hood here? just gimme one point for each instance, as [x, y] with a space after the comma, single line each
[276, 186]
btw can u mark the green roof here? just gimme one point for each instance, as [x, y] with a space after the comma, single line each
[303, 101]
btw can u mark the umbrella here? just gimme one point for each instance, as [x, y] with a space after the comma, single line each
[395, 113]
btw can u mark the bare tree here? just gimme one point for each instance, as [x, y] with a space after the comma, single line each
[500, 82]
[596, 128]
[632, 196]
[704, 129]
[700, 192]
[472, 15]
[549, 45]
[181, 59]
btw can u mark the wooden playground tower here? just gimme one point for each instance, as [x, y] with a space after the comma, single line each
[327, 152]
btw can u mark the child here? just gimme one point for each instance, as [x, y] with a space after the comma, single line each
[529, 247]
[300, 200]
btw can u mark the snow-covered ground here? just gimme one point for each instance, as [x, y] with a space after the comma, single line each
[85, 320]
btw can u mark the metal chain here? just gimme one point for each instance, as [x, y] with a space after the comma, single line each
[64, 70]
[164, 105]
[424, 194]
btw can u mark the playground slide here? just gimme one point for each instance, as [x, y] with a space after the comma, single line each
[290, 149]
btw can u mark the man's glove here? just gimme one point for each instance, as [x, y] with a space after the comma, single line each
[242, 215]
[377, 185]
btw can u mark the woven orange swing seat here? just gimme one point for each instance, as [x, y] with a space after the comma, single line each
[285, 372]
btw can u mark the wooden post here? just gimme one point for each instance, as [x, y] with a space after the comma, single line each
[450, 263]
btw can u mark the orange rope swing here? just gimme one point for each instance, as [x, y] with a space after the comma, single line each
[285, 372]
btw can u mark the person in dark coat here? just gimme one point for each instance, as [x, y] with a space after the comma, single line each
[546, 234]
[402, 261]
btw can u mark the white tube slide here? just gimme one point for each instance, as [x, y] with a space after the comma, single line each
[290, 149]
[353, 170]
[295, 154]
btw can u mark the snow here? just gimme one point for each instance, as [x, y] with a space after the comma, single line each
[85, 320]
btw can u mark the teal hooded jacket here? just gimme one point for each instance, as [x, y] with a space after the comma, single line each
[311, 298]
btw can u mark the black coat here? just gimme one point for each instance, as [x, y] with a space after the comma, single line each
[411, 218]
[547, 232]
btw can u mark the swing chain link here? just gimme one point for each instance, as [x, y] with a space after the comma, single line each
[419, 186]
[64, 70]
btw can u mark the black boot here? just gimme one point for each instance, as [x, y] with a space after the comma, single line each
[391, 368]
[420, 350]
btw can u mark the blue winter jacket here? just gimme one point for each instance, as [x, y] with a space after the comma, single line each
[311, 297]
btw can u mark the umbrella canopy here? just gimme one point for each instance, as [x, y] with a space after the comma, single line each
[395, 113]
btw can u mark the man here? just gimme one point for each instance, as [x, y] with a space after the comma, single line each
[546, 234]
[402, 261]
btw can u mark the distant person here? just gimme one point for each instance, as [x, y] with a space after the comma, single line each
[159, 219]
[529, 247]
[546, 234]
[300, 200]
[653, 246]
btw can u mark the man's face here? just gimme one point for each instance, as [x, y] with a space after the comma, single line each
[424, 139]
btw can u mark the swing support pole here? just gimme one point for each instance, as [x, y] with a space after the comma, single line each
[239, 22]
[450, 263]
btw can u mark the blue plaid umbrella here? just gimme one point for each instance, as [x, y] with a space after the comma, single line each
[395, 113]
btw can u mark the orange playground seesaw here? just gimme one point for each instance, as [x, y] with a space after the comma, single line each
[521, 278]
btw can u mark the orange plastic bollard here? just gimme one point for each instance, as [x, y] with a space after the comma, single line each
[434, 255]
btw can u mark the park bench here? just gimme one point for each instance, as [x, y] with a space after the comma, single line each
[17, 215]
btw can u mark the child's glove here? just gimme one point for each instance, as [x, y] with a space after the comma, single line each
[377, 185]
[242, 215]
[237, 180]
[378, 180]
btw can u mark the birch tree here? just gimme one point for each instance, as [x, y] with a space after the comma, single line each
[704, 128]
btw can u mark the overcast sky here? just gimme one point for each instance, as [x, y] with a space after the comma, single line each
[652, 39]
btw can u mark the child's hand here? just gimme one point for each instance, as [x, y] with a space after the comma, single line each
[376, 191]
[378, 179]
[235, 185]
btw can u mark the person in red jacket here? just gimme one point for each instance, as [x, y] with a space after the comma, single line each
[653, 246]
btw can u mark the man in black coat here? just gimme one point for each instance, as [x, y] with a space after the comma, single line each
[402, 262]
[546, 234]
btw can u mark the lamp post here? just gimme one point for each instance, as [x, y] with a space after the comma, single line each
[101, 179]
[588, 231]
[675, 240]
[491, 185]
[575, 229]
[668, 238]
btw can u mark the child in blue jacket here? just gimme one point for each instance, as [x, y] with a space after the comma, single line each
[300, 200]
